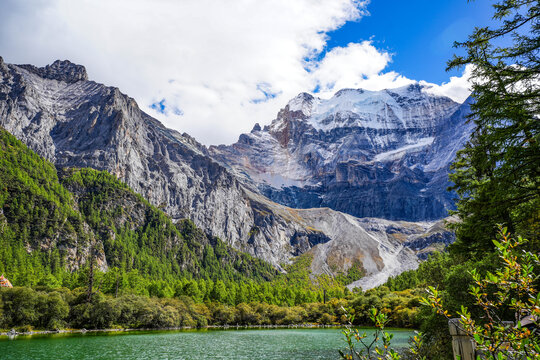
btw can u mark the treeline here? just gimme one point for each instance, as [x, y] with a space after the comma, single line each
[117, 282]
[25, 309]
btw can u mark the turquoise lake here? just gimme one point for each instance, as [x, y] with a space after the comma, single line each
[282, 344]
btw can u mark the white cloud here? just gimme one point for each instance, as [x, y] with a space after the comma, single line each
[458, 88]
[358, 65]
[349, 66]
[212, 61]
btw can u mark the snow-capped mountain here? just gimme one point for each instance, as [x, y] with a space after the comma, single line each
[367, 153]
[72, 121]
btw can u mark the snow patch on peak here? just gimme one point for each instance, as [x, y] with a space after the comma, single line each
[413, 89]
[399, 152]
[416, 90]
[346, 91]
[302, 102]
[404, 107]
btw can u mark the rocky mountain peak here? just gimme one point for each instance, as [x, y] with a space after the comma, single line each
[415, 88]
[3, 66]
[367, 153]
[417, 93]
[301, 103]
[61, 70]
[298, 109]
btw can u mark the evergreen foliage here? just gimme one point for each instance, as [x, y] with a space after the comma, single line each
[497, 174]
[36, 212]
[44, 215]
[40, 307]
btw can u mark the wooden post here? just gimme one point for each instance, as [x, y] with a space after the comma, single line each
[463, 346]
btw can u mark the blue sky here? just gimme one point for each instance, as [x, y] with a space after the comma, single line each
[214, 68]
[419, 33]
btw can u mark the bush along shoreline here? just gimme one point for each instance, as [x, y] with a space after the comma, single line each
[25, 310]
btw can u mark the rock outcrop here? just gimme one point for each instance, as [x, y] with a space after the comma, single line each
[64, 71]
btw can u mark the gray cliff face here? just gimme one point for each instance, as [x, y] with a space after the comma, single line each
[366, 153]
[60, 70]
[337, 242]
[85, 124]
[71, 121]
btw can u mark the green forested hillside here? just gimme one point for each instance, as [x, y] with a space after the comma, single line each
[39, 219]
[50, 220]
[136, 236]
[54, 222]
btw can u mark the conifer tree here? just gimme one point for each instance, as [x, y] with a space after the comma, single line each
[497, 174]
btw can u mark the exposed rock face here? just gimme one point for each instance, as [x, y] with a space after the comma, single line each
[338, 241]
[85, 124]
[71, 121]
[367, 153]
[380, 246]
[60, 70]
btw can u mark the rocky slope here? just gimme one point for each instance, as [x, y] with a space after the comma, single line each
[57, 219]
[72, 121]
[366, 153]
[339, 242]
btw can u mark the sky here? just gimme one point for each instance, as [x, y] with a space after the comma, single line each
[214, 68]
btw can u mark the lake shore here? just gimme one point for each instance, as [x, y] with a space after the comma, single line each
[13, 332]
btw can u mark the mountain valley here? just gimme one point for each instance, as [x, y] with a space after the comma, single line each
[357, 182]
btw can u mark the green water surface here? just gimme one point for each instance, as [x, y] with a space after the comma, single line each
[278, 344]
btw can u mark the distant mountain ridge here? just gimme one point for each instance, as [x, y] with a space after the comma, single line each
[74, 122]
[367, 153]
